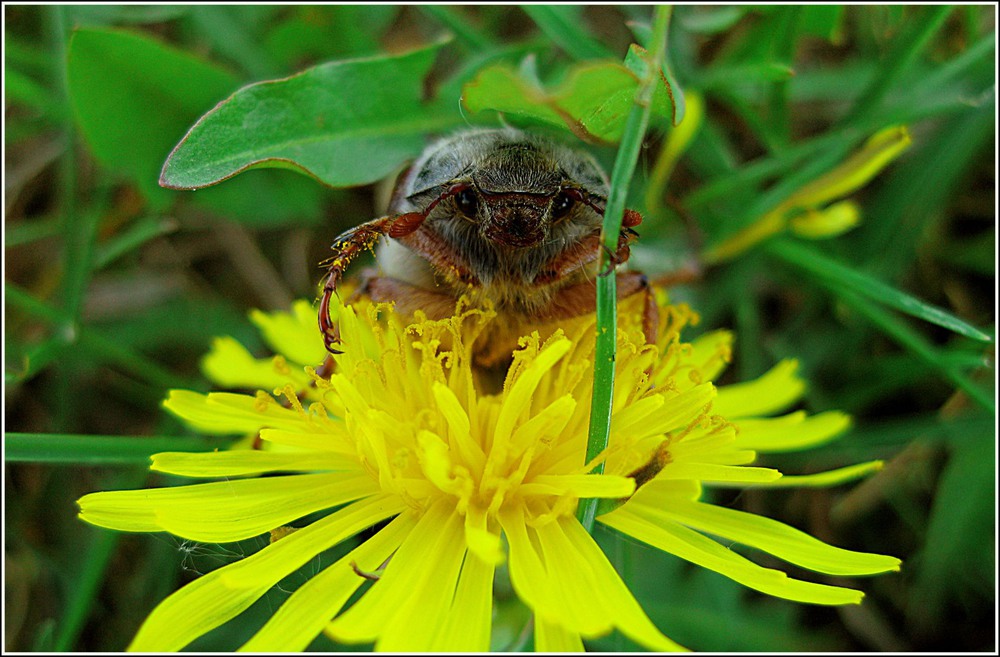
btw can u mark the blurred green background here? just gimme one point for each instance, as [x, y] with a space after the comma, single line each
[114, 286]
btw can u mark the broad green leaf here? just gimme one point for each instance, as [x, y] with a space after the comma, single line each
[593, 101]
[348, 122]
[133, 95]
[668, 99]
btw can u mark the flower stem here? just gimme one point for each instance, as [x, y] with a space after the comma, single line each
[607, 321]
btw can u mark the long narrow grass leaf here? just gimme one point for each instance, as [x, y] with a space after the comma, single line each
[452, 18]
[844, 278]
[93, 342]
[567, 33]
[916, 343]
[905, 50]
[81, 449]
[607, 321]
[135, 236]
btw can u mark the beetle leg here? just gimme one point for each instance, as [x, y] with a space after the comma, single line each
[346, 247]
[584, 253]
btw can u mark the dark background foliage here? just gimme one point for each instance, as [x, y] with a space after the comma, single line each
[114, 286]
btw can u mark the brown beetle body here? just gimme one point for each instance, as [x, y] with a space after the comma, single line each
[500, 216]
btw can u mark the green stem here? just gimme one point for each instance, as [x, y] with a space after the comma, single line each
[80, 450]
[607, 321]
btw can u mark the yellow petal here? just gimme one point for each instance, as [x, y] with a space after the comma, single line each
[774, 391]
[336, 439]
[573, 581]
[880, 149]
[547, 424]
[527, 572]
[223, 511]
[692, 546]
[307, 611]
[219, 596]
[628, 422]
[468, 624]
[712, 473]
[710, 353]
[517, 400]
[247, 462]
[230, 365]
[774, 537]
[556, 568]
[408, 605]
[554, 638]
[228, 413]
[616, 599]
[828, 478]
[469, 450]
[580, 485]
[482, 542]
[294, 334]
[829, 222]
[792, 432]
[770, 224]
[678, 411]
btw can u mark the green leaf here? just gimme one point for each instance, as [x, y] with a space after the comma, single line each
[822, 20]
[593, 101]
[454, 19]
[668, 99]
[348, 122]
[958, 556]
[313, 33]
[134, 236]
[265, 197]
[710, 20]
[96, 450]
[133, 96]
[562, 24]
[844, 277]
[121, 13]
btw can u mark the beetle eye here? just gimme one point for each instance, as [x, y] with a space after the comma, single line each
[466, 201]
[562, 204]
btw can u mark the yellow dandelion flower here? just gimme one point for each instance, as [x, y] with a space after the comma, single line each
[401, 437]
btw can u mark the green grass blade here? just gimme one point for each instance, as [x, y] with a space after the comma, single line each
[135, 236]
[35, 360]
[22, 233]
[84, 588]
[92, 341]
[453, 19]
[845, 279]
[80, 450]
[906, 49]
[607, 321]
[565, 32]
[916, 343]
